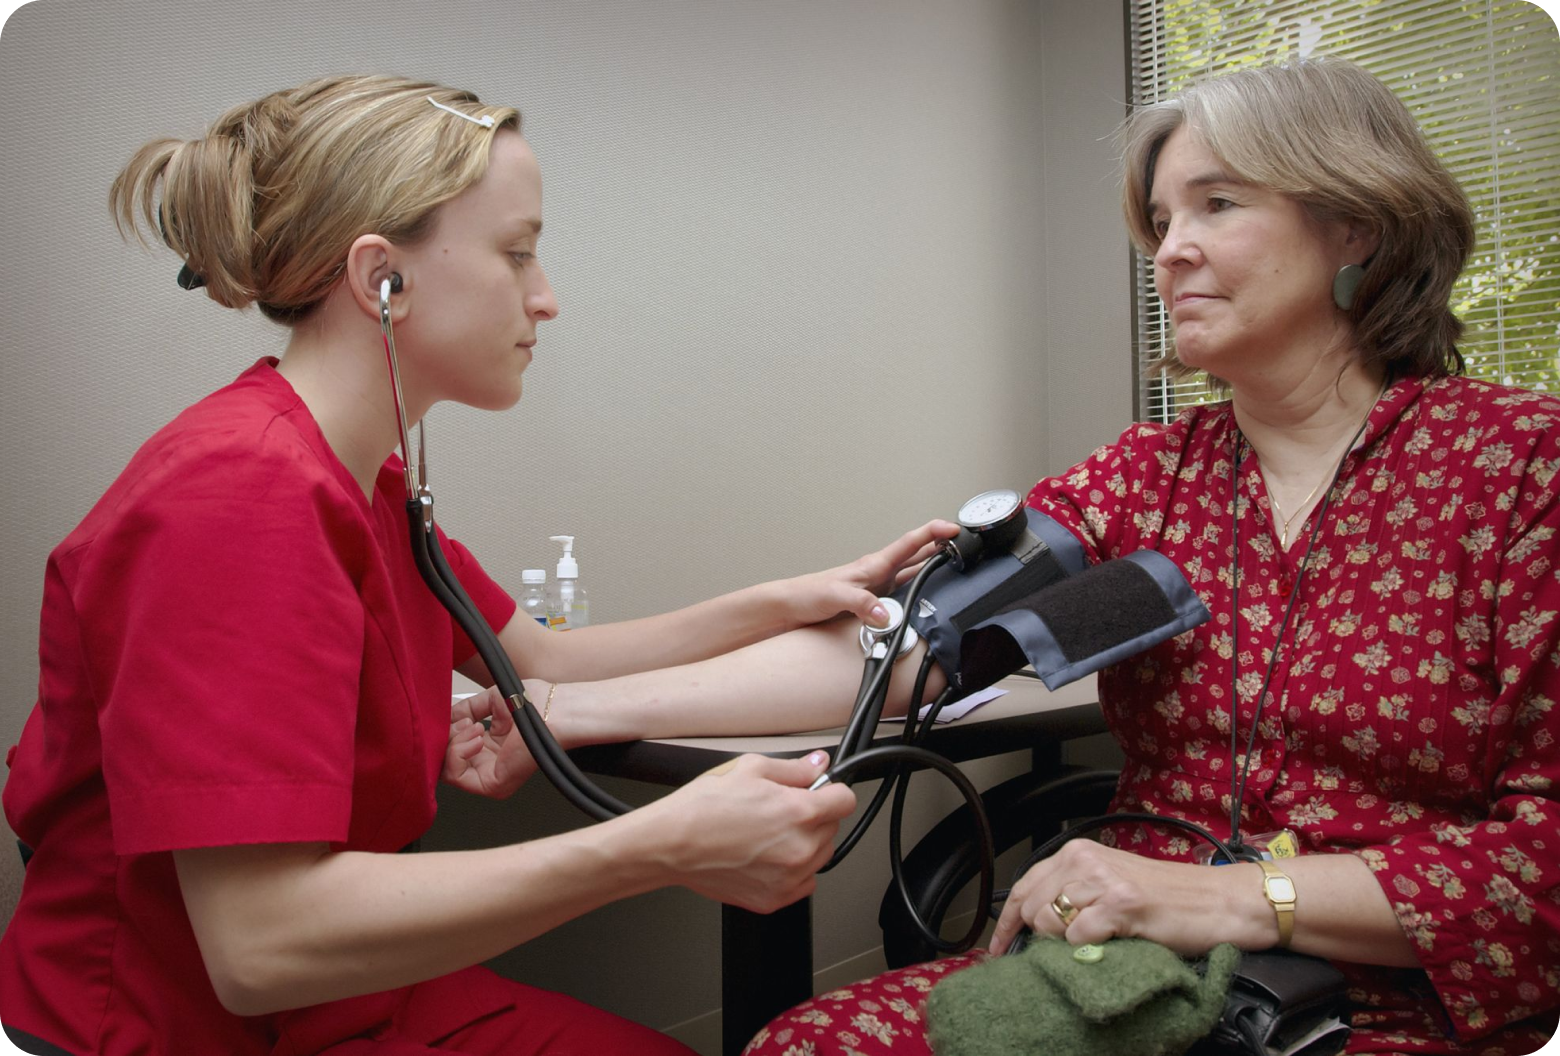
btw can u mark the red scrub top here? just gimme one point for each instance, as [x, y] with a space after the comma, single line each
[236, 648]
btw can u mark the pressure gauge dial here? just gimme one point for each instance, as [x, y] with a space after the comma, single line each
[990, 510]
[992, 522]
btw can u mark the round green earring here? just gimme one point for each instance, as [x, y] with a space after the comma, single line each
[1346, 285]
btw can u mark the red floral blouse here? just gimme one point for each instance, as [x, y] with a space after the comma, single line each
[1410, 719]
[1411, 714]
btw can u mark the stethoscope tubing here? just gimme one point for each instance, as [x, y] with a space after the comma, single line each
[900, 759]
[911, 735]
[854, 754]
[550, 757]
[874, 693]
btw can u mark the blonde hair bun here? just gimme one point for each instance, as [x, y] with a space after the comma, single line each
[264, 207]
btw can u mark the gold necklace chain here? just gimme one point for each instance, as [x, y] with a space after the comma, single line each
[1283, 533]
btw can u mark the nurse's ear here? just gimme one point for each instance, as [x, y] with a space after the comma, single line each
[370, 261]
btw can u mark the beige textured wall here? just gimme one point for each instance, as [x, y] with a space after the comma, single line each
[827, 267]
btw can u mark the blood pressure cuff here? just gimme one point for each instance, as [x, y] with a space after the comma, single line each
[1043, 606]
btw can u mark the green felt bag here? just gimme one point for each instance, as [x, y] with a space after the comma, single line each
[1122, 996]
[1136, 997]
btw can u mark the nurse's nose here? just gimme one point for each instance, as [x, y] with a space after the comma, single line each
[540, 300]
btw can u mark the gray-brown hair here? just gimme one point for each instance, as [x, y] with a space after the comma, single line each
[266, 205]
[1331, 137]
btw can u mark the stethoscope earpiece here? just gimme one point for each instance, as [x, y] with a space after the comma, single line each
[395, 282]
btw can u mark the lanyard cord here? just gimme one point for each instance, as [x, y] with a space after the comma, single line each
[1238, 777]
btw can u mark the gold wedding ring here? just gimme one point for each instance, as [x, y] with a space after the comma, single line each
[1066, 912]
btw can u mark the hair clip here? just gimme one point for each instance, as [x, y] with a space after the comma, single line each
[486, 120]
[188, 280]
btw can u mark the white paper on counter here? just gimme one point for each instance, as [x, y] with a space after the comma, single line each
[959, 708]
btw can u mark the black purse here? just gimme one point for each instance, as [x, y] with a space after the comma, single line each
[1283, 1003]
[1280, 1003]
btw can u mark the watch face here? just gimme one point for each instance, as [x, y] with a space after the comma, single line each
[989, 508]
[1280, 889]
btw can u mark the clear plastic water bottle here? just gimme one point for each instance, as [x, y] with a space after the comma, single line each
[533, 599]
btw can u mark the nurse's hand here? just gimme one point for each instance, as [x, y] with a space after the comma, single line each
[491, 762]
[855, 587]
[751, 834]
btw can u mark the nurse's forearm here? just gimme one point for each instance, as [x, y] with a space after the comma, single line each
[286, 925]
[695, 633]
[283, 926]
[720, 625]
[610, 650]
[803, 680]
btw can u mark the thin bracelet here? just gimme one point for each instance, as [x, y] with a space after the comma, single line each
[547, 707]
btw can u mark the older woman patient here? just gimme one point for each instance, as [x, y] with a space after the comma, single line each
[1375, 536]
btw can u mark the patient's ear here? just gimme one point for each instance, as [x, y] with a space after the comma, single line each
[1361, 240]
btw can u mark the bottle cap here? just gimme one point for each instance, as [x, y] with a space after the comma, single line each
[533, 575]
[568, 568]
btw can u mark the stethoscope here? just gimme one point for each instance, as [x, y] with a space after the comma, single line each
[989, 523]
[550, 757]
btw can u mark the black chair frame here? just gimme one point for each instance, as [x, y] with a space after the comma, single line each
[1033, 806]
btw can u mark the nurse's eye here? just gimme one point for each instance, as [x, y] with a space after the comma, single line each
[1219, 205]
[522, 257]
[1161, 228]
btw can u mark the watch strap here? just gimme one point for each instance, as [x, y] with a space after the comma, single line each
[1279, 890]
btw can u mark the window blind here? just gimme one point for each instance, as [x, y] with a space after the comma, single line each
[1481, 77]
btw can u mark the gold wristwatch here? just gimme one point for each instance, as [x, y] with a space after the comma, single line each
[1280, 892]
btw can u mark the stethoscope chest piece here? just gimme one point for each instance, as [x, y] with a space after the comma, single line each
[874, 640]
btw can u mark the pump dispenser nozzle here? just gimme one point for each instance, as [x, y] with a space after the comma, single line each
[568, 568]
[566, 604]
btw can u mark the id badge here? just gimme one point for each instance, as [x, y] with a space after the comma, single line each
[1269, 845]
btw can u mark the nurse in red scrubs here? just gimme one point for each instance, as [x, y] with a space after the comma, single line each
[244, 692]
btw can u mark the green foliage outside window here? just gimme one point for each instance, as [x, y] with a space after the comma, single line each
[1482, 78]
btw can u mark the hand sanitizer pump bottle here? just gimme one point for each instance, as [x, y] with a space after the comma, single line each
[567, 605]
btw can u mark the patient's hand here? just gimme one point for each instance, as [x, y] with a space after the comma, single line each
[855, 587]
[491, 762]
[1189, 908]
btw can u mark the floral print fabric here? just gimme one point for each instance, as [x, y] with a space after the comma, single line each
[882, 1015]
[1410, 718]
[1411, 714]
